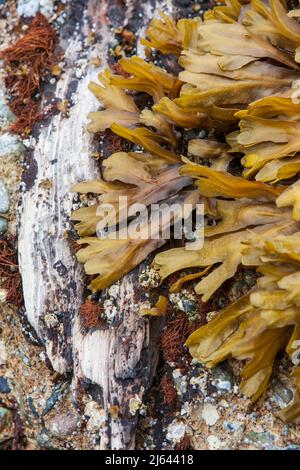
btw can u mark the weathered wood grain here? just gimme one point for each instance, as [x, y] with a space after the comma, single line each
[119, 360]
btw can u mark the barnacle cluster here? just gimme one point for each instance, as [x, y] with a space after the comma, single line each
[240, 75]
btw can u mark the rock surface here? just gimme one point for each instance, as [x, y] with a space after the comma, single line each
[4, 385]
[4, 198]
[63, 425]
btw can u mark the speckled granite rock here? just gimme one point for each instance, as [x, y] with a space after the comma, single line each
[10, 145]
[28, 8]
[4, 198]
[63, 425]
[3, 225]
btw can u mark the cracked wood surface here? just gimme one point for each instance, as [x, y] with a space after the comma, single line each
[118, 361]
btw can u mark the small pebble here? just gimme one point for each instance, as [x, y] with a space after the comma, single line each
[63, 425]
[222, 378]
[6, 116]
[43, 440]
[32, 407]
[210, 414]
[182, 3]
[96, 416]
[213, 442]
[180, 381]
[176, 431]
[28, 8]
[3, 225]
[3, 354]
[3, 296]
[233, 426]
[6, 418]
[203, 134]
[55, 396]
[4, 198]
[10, 145]
[4, 386]
[281, 394]
[265, 439]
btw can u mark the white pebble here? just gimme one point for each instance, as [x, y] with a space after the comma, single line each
[213, 442]
[210, 414]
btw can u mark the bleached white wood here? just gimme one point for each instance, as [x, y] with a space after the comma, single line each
[53, 281]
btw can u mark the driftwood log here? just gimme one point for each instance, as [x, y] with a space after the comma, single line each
[119, 361]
